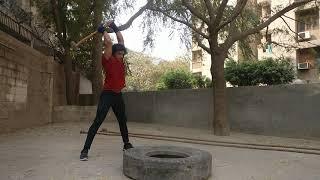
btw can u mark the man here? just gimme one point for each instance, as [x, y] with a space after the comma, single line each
[111, 96]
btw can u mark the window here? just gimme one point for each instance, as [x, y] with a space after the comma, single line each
[307, 20]
[196, 59]
[197, 56]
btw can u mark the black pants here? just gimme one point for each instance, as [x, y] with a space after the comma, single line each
[108, 99]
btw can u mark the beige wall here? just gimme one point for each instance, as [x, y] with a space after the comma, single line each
[282, 38]
[31, 84]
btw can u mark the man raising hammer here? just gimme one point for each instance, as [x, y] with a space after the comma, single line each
[111, 96]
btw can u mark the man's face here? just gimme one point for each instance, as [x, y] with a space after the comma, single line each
[119, 54]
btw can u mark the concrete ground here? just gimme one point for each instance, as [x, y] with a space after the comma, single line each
[51, 152]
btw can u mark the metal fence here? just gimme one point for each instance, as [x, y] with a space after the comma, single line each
[9, 25]
[20, 14]
[25, 32]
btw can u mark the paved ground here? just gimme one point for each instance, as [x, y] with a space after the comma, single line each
[52, 152]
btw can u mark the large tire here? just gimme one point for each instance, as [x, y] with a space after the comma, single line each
[167, 163]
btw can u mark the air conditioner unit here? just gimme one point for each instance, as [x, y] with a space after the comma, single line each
[304, 65]
[304, 36]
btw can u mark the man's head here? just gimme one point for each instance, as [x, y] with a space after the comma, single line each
[118, 51]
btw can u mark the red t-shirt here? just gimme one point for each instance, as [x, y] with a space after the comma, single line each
[114, 74]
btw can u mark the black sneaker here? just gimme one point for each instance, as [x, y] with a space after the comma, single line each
[84, 155]
[127, 146]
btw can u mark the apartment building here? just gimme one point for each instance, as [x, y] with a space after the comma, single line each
[296, 35]
[302, 36]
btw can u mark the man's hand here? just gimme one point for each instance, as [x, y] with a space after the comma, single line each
[107, 24]
[113, 26]
[101, 28]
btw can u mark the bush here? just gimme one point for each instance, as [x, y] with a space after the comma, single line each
[201, 82]
[181, 79]
[176, 79]
[268, 71]
[279, 71]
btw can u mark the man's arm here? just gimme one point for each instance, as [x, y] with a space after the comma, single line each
[120, 38]
[107, 40]
[118, 32]
[107, 45]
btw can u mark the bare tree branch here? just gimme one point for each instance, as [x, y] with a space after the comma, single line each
[200, 44]
[195, 12]
[237, 11]
[219, 13]
[233, 30]
[266, 23]
[284, 45]
[296, 20]
[210, 8]
[136, 15]
[200, 39]
[267, 32]
[197, 30]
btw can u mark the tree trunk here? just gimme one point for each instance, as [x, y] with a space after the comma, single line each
[220, 122]
[96, 52]
[68, 77]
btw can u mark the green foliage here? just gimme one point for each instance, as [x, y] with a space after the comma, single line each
[201, 82]
[242, 74]
[177, 79]
[83, 60]
[161, 86]
[268, 71]
[277, 71]
[182, 79]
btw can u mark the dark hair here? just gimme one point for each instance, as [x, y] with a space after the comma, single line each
[118, 47]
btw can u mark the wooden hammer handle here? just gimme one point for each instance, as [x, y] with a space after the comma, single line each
[85, 38]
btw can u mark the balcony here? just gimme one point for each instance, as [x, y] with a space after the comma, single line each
[196, 65]
[306, 6]
[25, 32]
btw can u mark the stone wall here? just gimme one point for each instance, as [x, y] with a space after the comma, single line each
[77, 113]
[31, 84]
[286, 110]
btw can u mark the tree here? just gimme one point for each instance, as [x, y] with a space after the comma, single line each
[71, 20]
[220, 25]
[141, 75]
